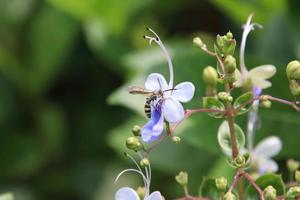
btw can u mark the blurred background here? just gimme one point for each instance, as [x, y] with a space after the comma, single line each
[64, 109]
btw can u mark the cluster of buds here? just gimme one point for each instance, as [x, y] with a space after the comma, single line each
[270, 193]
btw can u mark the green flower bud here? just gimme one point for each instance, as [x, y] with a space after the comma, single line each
[221, 183]
[225, 97]
[141, 191]
[239, 161]
[144, 162]
[293, 74]
[198, 42]
[266, 104]
[295, 87]
[182, 178]
[229, 35]
[176, 139]
[270, 193]
[134, 144]
[293, 70]
[230, 64]
[220, 41]
[210, 76]
[136, 130]
[292, 165]
[293, 192]
[297, 176]
[229, 196]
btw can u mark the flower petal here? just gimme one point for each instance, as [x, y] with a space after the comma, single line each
[154, 196]
[153, 129]
[126, 193]
[183, 92]
[268, 147]
[263, 72]
[172, 110]
[239, 79]
[156, 81]
[267, 165]
[263, 84]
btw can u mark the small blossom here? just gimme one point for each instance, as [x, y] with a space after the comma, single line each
[258, 75]
[166, 107]
[127, 193]
[263, 153]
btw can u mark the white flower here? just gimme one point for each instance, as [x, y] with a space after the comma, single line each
[127, 193]
[168, 106]
[263, 153]
[257, 75]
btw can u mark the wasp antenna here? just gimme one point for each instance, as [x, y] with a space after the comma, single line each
[148, 28]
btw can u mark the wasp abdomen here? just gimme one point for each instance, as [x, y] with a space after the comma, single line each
[147, 107]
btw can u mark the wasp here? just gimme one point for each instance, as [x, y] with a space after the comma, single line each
[151, 96]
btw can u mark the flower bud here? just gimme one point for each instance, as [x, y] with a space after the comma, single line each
[293, 74]
[182, 178]
[266, 104]
[144, 162]
[229, 196]
[176, 139]
[141, 191]
[210, 76]
[270, 193]
[136, 130]
[134, 144]
[293, 70]
[239, 161]
[197, 41]
[225, 97]
[229, 35]
[293, 192]
[221, 183]
[297, 176]
[292, 165]
[230, 64]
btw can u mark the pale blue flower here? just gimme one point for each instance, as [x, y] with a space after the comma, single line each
[167, 107]
[127, 193]
[258, 75]
[263, 153]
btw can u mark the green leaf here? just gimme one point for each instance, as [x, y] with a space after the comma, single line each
[264, 181]
[224, 136]
[243, 99]
[48, 51]
[213, 103]
[208, 189]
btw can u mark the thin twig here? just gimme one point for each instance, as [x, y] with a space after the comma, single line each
[293, 104]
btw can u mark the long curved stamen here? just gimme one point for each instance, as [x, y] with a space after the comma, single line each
[157, 40]
[248, 27]
[130, 170]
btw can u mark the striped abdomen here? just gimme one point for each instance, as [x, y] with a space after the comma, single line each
[147, 107]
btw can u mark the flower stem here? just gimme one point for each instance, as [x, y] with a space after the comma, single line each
[230, 118]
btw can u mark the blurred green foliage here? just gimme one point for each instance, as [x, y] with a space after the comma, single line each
[64, 69]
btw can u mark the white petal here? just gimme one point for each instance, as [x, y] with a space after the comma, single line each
[183, 92]
[239, 79]
[268, 147]
[156, 81]
[172, 110]
[261, 83]
[263, 72]
[126, 193]
[154, 196]
[267, 165]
